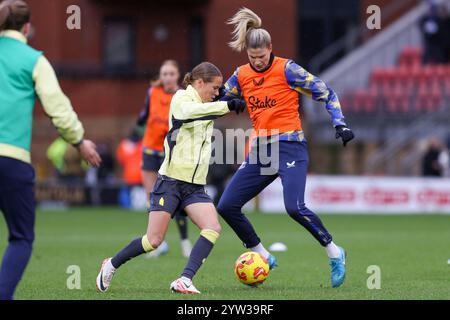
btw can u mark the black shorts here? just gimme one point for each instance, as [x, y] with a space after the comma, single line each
[171, 195]
[151, 160]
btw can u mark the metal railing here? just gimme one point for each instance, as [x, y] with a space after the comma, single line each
[425, 126]
[355, 37]
[354, 69]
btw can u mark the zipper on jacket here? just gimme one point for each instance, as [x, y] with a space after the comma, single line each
[199, 157]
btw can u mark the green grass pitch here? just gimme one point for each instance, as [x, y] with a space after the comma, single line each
[411, 250]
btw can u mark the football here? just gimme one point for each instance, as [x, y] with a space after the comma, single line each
[251, 268]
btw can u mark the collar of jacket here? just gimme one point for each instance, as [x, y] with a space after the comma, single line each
[14, 35]
[272, 56]
[193, 92]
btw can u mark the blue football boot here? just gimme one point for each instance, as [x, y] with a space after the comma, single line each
[338, 269]
[272, 261]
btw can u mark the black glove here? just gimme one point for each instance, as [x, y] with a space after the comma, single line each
[345, 133]
[237, 105]
[222, 92]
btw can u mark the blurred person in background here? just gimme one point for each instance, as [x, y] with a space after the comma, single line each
[105, 173]
[99, 179]
[434, 28]
[444, 161]
[25, 73]
[155, 115]
[434, 160]
[69, 166]
[129, 156]
[446, 20]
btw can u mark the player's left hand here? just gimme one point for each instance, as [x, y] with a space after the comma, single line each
[345, 133]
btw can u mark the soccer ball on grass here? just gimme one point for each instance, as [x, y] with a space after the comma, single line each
[251, 269]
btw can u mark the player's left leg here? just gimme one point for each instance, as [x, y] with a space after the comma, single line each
[293, 171]
[18, 206]
[150, 167]
[204, 215]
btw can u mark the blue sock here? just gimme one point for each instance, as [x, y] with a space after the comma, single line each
[200, 252]
[133, 249]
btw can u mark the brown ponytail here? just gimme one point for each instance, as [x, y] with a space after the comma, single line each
[187, 79]
[205, 71]
[14, 14]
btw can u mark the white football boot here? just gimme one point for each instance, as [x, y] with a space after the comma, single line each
[105, 275]
[184, 285]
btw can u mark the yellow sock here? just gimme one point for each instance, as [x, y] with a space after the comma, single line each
[146, 244]
[209, 234]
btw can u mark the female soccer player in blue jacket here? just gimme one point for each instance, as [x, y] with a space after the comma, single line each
[270, 85]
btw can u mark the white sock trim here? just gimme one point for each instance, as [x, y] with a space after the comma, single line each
[332, 250]
[261, 250]
[109, 265]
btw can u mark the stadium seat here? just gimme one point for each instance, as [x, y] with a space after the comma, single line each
[446, 72]
[346, 102]
[365, 100]
[404, 77]
[429, 97]
[441, 72]
[447, 87]
[380, 78]
[410, 56]
[406, 87]
[428, 73]
[436, 96]
[397, 100]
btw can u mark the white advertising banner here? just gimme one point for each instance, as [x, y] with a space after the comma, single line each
[354, 194]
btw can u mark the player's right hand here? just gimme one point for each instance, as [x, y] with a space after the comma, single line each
[237, 105]
[88, 151]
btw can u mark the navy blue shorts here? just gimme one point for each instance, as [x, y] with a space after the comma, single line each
[171, 195]
[152, 160]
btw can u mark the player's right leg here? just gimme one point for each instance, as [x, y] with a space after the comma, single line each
[150, 166]
[149, 179]
[164, 201]
[246, 183]
[156, 231]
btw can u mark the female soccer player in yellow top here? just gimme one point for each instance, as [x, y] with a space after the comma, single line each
[156, 117]
[270, 85]
[182, 176]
